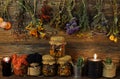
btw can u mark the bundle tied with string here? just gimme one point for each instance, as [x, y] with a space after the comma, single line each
[35, 64]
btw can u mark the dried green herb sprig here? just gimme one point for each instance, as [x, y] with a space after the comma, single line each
[114, 28]
[83, 16]
[99, 20]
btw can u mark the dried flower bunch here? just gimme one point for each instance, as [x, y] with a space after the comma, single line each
[35, 27]
[19, 64]
[61, 17]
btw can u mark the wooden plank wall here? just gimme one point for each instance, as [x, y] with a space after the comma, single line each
[75, 47]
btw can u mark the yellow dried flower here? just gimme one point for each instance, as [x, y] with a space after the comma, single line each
[111, 37]
[115, 40]
[40, 28]
[33, 32]
[43, 35]
[1, 20]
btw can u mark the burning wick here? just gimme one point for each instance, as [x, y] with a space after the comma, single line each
[95, 57]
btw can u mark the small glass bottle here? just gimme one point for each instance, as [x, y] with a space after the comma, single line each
[65, 66]
[57, 46]
[49, 66]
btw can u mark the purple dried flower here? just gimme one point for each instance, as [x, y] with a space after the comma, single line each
[76, 28]
[74, 24]
[69, 31]
[104, 23]
[72, 30]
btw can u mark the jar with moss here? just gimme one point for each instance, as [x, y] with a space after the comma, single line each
[49, 65]
[57, 46]
[65, 67]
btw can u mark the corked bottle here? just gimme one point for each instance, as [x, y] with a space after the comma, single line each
[49, 66]
[57, 46]
[65, 66]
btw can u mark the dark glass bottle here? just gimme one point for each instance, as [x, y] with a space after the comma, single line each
[6, 66]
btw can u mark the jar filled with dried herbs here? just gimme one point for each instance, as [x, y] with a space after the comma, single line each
[57, 46]
[49, 66]
[65, 66]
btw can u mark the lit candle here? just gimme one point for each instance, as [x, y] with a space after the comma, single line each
[94, 67]
[6, 66]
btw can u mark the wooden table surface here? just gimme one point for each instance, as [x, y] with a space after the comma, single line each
[55, 77]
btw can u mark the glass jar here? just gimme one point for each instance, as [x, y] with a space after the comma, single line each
[65, 66]
[57, 46]
[49, 66]
[34, 69]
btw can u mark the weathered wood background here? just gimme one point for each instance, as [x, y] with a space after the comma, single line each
[86, 46]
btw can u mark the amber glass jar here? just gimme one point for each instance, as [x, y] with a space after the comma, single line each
[65, 66]
[49, 66]
[57, 46]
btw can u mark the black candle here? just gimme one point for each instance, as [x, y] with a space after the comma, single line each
[95, 67]
[6, 66]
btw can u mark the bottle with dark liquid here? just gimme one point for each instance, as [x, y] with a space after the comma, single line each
[6, 66]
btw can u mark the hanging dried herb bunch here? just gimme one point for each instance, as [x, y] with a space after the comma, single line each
[35, 27]
[114, 29]
[99, 20]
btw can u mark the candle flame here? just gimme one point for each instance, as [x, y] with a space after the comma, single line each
[6, 59]
[95, 56]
